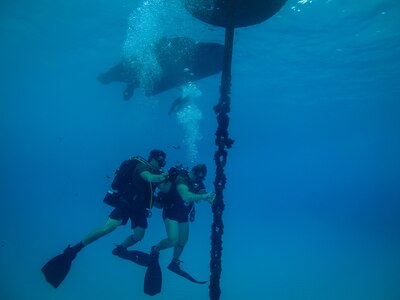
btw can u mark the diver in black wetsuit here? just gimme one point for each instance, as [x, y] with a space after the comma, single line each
[131, 201]
[178, 203]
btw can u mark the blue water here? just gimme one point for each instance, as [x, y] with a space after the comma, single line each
[312, 199]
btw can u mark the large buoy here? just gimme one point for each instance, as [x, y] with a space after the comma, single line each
[246, 12]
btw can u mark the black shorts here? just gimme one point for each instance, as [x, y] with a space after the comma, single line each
[123, 212]
[178, 215]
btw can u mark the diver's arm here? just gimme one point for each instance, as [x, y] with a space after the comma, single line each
[188, 196]
[154, 178]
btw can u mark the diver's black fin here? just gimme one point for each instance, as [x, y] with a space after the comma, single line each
[138, 257]
[174, 267]
[57, 268]
[153, 277]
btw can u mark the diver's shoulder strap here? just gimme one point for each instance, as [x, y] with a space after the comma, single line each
[141, 160]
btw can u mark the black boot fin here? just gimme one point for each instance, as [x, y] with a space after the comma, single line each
[153, 276]
[174, 267]
[57, 268]
[138, 257]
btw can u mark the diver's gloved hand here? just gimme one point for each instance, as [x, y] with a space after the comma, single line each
[210, 197]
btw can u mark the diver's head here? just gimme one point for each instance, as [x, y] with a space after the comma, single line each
[199, 171]
[159, 156]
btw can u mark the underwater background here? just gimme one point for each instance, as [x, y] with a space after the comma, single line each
[312, 198]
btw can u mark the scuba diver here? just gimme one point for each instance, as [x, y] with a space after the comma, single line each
[131, 196]
[177, 196]
[183, 190]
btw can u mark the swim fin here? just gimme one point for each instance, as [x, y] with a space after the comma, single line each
[174, 267]
[153, 276]
[57, 268]
[138, 257]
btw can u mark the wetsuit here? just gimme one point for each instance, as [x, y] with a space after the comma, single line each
[174, 207]
[135, 198]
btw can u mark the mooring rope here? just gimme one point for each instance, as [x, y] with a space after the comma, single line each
[223, 142]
